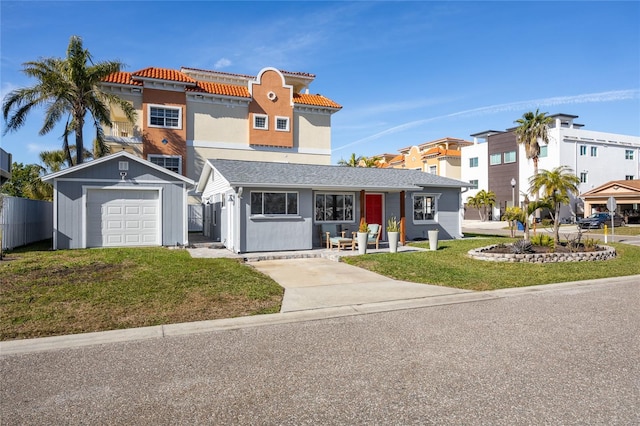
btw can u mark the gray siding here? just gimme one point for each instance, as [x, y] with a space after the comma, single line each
[24, 221]
[277, 234]
[70, 220]
[448, 215]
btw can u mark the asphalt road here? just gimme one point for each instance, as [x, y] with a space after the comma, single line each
[566, 356]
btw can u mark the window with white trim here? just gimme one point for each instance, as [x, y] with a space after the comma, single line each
[473, 162]
[274, 203]
[163, 116]
[334, 207]
[628, 154]
[474, 182]
[433, 170]
[282, 124]
[169, 162]
[583, 177]
[495, 159]
[628, 177]
[510, 157]
[260, 121]
[425, 207]
[543, 151]
[594, 151]
[583, 150]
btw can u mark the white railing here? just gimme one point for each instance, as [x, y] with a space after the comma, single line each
[24, 221]
[121, 129]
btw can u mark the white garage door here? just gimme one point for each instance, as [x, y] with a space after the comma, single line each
[117, 218]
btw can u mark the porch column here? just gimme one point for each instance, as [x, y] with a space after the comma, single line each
[363, 200]
[403, 238]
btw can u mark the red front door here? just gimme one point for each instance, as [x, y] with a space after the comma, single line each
[373, 209]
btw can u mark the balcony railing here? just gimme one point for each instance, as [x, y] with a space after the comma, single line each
[122, 129]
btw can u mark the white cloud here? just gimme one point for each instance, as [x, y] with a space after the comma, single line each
[609, 96]
[222, 63]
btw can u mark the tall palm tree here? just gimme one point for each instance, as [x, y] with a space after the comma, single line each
[353, 161]
[557, 185]
[56, 160]
[67, 87]
[531, 130]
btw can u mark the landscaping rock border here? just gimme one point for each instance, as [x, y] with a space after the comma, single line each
[605, 253]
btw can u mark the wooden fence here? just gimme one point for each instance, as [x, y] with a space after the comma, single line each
[24, 221]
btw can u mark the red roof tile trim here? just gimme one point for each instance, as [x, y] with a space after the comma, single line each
[163, 74]
[121, 78]
[316, 100]
[220, 89]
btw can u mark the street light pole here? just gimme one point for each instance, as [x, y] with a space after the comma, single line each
[513, 192]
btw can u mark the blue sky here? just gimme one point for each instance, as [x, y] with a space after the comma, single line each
[404, 72]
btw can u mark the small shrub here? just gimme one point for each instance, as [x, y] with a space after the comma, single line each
[590, 244]
[543, 240]
[522, 247]
[546, 222]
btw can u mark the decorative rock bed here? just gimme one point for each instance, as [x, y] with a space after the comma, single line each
[602, 253]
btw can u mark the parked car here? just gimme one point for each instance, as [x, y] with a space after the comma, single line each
[598, 220]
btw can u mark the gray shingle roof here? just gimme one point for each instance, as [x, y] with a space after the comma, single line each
[258, 173]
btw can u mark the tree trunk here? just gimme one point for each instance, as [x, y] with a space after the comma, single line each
[79, 142]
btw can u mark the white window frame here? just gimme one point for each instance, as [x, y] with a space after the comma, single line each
[492, 156]
[593, 151]
[583, 150]
[154, 156]
[475, 183]
[509, 161]
[331, 193]
[628, 177]
[628, 154]
[266, 121]
[434, 207]
[164, 107]
[433, 170]
[286, 204]
[286, 119]
[473, 162]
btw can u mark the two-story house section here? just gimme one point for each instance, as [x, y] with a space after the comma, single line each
[188, 116]
[595, 157]
[441, 157]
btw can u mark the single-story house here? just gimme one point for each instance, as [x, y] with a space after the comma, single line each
[253, 206]
[119, 200]
[625, 192]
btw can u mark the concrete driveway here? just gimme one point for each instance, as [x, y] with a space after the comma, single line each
[321, 283]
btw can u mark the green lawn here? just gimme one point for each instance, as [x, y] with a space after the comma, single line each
[45, 293]
[449, 266]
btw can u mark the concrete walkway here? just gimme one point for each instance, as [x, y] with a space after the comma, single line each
[322, 283]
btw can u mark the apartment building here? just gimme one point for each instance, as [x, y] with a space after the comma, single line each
[188, 116]
[440, 157]
[495, 162]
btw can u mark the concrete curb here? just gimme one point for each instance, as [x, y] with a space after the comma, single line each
[16, 347]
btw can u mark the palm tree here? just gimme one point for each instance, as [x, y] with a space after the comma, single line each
[531, 130]
[67, 87]
[56, 160]
[557, 185]
[369, 161]
[481, 201]
[352, 162]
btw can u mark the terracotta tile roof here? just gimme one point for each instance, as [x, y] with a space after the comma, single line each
[317, 100]
[218, 72]
[220, 89]
[122, 78]
[163, 74]
[440, 151]
[301, 74]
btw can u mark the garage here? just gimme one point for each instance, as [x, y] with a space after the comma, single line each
[121, 218]
[119, 200]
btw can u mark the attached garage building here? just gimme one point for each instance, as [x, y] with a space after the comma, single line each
[118, 201]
